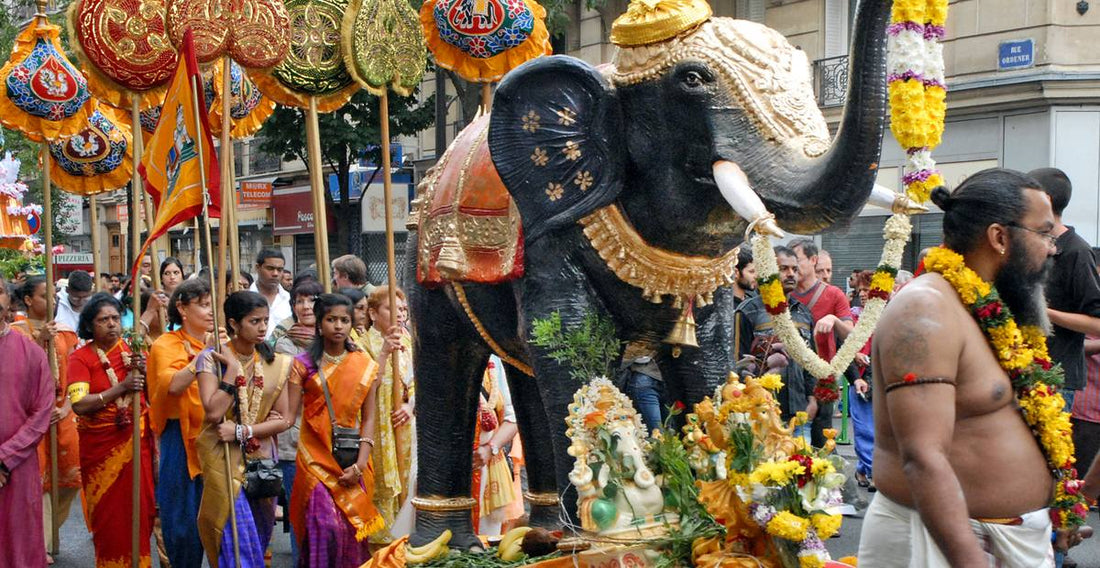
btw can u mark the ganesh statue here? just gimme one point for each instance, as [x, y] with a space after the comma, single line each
[623, 191]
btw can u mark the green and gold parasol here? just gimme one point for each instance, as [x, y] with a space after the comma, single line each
[314, 65]
[383, 46]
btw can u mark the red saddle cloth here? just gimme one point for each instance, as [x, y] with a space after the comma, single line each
[469, 229]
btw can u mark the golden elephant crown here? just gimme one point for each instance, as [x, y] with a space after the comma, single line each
[770, 77]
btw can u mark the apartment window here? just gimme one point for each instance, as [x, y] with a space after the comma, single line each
[261, 162]
[751, 10]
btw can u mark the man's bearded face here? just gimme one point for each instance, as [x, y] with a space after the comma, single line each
[1020, 282]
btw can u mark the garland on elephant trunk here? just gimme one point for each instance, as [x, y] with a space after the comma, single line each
[917, 91]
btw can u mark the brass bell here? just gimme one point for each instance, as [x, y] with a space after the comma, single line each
[683, 332]
[451, 262]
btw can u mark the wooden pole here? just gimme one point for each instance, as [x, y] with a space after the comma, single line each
[93, 218]
[195, 242]
[135, 284]
[391, 255]
[150, 220]
[320, 215]
[486, 96]
[217, 314]
[47, 221]
[229, 185]
[226, 162]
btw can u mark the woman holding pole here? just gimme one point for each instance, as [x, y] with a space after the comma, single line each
[178, 417]
[336, 386]
[103, 376]
[242, 390]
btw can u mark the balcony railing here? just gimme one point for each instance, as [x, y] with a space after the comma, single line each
[831, 81]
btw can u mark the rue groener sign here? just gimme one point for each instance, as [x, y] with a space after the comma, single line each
[1016, 54]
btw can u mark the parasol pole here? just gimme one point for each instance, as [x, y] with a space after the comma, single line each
[47, 209]
[391, 263]
[486, 96]
[150, 220]
[234, 230]
[135, 298]
[226, 163]
[195, 242]
[195, 89]
[93, 217]
[229, 193]
[320, 215]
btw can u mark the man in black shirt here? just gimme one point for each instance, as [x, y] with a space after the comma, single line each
[1073, 288]
[744, 276]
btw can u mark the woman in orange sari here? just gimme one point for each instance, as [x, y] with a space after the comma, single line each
[177, 415]
[100, 389]
[331, 505]
[39, 328]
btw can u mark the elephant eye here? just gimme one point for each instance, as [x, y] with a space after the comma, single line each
[693, 79]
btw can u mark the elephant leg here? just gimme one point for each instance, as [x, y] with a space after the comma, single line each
[448, 365]
[542, 487]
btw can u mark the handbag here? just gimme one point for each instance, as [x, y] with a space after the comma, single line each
[345, 441]
[262, 479]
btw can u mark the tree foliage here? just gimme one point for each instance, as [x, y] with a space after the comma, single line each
[347, 134]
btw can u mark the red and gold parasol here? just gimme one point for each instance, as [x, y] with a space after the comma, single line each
[481, 40]
[124, 45]
[99, 158]
[45, 96]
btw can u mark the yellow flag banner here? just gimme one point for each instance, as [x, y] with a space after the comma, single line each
[170, 166]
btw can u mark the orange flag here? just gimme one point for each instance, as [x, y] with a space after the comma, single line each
[170, 164]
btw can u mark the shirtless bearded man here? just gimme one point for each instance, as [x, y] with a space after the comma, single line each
[961, 479]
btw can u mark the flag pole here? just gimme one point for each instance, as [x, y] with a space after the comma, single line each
[391, 255]
[320, 214]
[93, 218]
[217, 341]
[135, 307]
[47, 210]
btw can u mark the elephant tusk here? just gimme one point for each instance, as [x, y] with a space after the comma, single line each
[735, 187]
[887, 198]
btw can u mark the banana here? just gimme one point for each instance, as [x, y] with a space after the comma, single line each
[513, 552]
[426, 552]
[514, 535]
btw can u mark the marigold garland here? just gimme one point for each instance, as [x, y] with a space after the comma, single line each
[1022, 353]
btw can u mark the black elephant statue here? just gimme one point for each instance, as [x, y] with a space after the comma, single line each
[630, 187]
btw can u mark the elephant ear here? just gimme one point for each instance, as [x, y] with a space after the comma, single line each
[554, 135]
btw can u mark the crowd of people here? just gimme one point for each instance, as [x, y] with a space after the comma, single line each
[292, 410]
[301, 406]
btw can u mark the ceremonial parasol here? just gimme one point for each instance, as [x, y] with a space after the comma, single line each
[129, 60]
[45, 97]
[95, 160]
[313, 77]
[384, 50]
[15, 232]
[481, 40]
[254, 34]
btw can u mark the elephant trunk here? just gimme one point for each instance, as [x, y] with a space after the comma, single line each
[836, 185]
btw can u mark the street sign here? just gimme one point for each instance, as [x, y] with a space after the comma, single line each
[122, 213]
[1016, 54]
[34, 223]
[255, 195]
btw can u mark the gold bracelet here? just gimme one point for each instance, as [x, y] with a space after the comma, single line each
[443, 503]
[541, 499]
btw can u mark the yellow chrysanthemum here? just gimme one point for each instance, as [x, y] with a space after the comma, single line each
[800, 417]
[772, 294]
[826, 525]
[776, 473]
[822, 467]
[936, 12]
[908, 11]
[942, 259]
[810, 561]
[771, 381]
[788, 526]
[907, 114]
[1036, 340]
[921, 191]
[935, 108]
[882, 281]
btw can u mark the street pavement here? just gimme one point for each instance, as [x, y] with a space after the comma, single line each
[77, 551]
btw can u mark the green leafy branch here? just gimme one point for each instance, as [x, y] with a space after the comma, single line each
[589, 349]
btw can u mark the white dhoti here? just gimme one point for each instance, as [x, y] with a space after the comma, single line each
[895, 537]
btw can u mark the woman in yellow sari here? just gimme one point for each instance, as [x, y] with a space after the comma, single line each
[242, 389]
[331, 505]
[394, 455]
